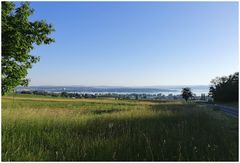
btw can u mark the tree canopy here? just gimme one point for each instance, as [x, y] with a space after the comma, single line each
[19, 35]
[225, 89]
[186, 93]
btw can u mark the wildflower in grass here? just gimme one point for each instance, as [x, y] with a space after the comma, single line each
[209, 146]
[110, 125]
[215, 147]
[164, 141]
[195, 149]
[114, 155]
[138, 155]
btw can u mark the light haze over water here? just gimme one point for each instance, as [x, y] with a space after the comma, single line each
[165, 90]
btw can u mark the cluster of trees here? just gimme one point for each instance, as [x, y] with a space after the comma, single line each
[63, 94]
[225, 89]
[43, 93]
[77, 95]
[132, 96]
[186, 93]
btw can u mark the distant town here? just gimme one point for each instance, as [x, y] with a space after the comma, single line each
[129, 96]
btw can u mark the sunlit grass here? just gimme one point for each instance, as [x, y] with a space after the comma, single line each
[72, 129]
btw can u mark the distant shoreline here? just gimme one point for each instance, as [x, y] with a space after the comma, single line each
[165, 90]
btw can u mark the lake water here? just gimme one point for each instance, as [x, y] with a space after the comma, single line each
[165, 90]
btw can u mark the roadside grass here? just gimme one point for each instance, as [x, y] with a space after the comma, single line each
[230, 104]
[105, 129]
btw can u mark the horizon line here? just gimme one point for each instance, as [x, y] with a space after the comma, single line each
[115, 85]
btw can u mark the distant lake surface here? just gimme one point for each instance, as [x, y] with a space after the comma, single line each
[165, 90]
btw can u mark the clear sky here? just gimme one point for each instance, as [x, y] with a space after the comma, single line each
[136, 43]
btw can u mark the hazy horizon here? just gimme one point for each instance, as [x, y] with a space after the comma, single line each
[195, 85]
[165, 90]
[136, 43]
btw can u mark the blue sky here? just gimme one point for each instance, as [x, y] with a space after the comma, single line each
[136, 43]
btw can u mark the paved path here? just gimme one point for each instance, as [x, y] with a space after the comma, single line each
[227, 109]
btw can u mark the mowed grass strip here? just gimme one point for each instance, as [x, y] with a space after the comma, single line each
[49, 130]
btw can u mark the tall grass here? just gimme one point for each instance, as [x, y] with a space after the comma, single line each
[75, 130]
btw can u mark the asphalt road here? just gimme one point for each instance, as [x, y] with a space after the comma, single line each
[226, 109]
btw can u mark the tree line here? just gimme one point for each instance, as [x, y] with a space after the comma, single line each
[225, 89]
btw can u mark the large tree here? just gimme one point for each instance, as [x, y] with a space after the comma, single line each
[186, 93]
[225, 89]
[19, 35]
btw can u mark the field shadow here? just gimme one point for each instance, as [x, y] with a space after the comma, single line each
[104, 111]
[180, 133]
[172, 107]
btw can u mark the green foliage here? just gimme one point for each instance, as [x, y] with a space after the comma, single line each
[57, 129]
[225, 89]
[64, 94]
[186, 93]
[18, 38]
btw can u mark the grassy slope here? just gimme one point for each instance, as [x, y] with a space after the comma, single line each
[43, 128]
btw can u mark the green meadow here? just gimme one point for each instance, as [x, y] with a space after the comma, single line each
[38, 128]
